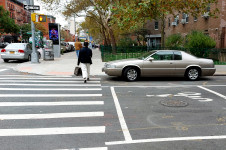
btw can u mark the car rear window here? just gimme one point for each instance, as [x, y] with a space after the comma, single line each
[177, 56]
[16, 46]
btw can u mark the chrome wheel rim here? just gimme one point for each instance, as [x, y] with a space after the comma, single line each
[132, 74]
[193, 74]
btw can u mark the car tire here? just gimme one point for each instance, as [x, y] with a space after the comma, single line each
[6, 60]
[193, 74]
[131, 74]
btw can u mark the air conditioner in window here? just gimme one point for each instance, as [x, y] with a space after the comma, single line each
[174, 23]
[183, 21]
[206, 15]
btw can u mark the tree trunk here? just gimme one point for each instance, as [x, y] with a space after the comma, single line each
[112, 38]
[104, 35]
[163, 31]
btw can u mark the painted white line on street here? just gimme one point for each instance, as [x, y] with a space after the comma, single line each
[51, 115]
[32, 78]
[156, 86]
[50, 89]
[50, 95]
[37, 81]
[62, 103]
[35, 76]
[121, 117]
[52, 131]
[211, 91]
[168, 139]
[3, 70]
[54, 85]
[94, 148]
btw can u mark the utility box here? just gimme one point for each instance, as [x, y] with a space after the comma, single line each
[48, 53]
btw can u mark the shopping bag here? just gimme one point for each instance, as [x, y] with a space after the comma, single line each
[78, 71]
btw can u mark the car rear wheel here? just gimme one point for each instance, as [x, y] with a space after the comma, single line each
[193, 74]
[6, 60]
[131, 74]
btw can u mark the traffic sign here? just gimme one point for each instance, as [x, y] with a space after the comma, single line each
[31, 7]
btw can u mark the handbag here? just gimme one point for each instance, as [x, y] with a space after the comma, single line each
[78, 71]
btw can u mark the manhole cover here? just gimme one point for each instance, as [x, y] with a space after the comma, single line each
[174, 103]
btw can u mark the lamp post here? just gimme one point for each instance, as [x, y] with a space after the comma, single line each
[34, 55]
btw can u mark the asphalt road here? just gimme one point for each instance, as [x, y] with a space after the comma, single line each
[52, 113]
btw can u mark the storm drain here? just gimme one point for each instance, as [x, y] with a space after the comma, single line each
[174, 103]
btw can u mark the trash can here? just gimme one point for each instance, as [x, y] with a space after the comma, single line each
[48, 53]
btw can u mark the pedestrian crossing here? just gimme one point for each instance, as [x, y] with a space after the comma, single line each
[38, 107]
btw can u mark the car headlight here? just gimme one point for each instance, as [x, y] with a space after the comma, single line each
[110, 66]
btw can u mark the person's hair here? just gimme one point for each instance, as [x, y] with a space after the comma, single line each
[86, 44]
[78, 39]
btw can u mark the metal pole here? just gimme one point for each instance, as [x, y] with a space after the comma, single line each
[34, 55]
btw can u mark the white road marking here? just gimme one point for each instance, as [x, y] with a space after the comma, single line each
[54, 85]
[211, 91]
[94, 148]
[57, 78]
[150, 95]
[3, 70]
[51, 115]
[167, 139]
[37, 81]
[167, 86]
[62, 103]
[51, 131]
[50, 95]
[50, 89]
[121, 117]
[164, 95]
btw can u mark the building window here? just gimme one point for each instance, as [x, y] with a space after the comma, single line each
[185, 17]
[195, 18]
[156, 25]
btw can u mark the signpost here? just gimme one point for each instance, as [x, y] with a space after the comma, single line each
[31, 7]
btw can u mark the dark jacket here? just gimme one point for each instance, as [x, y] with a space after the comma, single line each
[85, 55]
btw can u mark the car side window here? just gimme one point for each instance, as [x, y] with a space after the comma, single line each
[29, 47]
[177, 56]
[165, 55]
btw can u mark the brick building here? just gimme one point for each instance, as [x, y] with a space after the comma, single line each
[185, 23]
[17, 11]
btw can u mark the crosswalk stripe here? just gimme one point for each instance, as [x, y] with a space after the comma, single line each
[51, 115]
[50, 89]
[36, 81]
[66, 85]
[35, 76]
[50, 95]
[52, 131]
[1, 70]
[32, 78]
[62, 103]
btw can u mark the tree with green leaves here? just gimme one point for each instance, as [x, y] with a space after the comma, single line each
[174, 40]
[131, 14]
[7, 24]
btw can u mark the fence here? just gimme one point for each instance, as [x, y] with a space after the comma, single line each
[218, 55]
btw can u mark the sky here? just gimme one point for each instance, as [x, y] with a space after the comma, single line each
[59, 17]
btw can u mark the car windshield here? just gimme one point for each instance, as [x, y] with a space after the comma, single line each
[16, 45]
[145, 55]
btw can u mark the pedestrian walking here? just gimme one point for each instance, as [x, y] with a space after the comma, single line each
[78, 46]
[85, 58]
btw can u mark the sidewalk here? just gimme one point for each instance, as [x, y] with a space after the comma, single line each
[64, 66]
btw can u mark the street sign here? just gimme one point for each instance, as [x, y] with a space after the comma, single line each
[31, 7]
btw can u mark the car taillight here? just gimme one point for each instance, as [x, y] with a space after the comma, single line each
[20, 51]
[3, 50]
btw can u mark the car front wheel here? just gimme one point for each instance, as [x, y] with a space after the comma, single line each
[6, 60]
[131, 74]
[193, 74]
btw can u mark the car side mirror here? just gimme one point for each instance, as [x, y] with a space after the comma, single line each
[151, 59]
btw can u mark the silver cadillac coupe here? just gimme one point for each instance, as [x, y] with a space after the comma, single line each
[161, 63]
